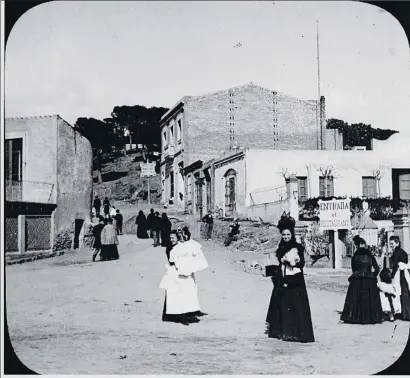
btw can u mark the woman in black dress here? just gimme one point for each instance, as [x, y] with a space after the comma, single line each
[363, 304]
[400, 256]
[289, 316]
[141, 222]
[165, 230]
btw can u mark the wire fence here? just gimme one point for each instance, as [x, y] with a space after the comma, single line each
[38, 232]
[11, 234]
[269, 195]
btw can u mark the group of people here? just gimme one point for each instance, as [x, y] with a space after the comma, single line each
[109, 212]
[105, 239]
[375, 295]
[154, 226]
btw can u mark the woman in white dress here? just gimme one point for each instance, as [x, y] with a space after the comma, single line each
[181, 301]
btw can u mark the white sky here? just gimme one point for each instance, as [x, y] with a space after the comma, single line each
[80, 59]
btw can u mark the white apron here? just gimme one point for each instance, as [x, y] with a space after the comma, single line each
[397, 287]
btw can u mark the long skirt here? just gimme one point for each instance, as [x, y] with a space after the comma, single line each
[182, 297]
[109, 252]
[142, 232]
[289, 316]
[404, 298]
[165, 238]
[362, 304]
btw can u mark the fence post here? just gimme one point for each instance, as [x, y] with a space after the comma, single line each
[21, 222]
[293, 196]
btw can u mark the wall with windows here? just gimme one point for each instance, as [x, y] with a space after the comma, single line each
[353, 172]
[38, 144]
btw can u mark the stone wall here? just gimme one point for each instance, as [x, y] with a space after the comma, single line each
[75, 184]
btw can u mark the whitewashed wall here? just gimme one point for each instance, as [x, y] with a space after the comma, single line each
[263, 169]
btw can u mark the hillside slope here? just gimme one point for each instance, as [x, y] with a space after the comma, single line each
[122, 181]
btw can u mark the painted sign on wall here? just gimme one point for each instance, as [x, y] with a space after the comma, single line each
[334, 214]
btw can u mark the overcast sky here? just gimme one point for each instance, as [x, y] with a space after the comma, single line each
[80, 59]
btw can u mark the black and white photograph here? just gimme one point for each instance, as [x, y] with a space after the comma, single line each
[206, 188]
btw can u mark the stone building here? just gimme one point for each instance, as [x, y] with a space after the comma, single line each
[48, 184]
[199, 128]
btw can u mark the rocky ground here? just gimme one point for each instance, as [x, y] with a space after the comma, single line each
[68, 315]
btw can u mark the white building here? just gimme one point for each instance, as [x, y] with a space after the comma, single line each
[252, 182]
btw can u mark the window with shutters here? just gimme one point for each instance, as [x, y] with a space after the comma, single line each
[171, 135]
[189, 191]
[13, 168]
[326, 191]
[172, 185]
[369, 187]
[179, 131]
[302, 188]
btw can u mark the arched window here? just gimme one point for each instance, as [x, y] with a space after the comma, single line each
[230, 192]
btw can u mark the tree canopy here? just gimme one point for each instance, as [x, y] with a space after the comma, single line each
[112, 133]
[358, 134]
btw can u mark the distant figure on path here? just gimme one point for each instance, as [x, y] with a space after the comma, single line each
[289, 316]
[401, 278]
[113, 212]
[141, 222]
[166, 226]
[97, 206]
[119, 220]
[181, 298]
[109, 241]
[150, 222]
[106, 205]
[233, 232]
[208, 221]
[156, 229]
[97, 236]
[363, 304]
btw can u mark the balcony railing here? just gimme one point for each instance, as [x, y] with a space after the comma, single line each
[29, 191]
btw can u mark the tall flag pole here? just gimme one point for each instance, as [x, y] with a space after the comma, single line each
[318, 88]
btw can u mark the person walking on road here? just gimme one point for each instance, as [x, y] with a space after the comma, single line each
[141, 222]
[181, 298]
[289, 317]
[150, 222]
[97, 206]
[363, 304]
[97, 237]
[165, 230]
[156, 229]
[208, 221]
[106, 206]
[401, 278]
[109, 241]
[119, 221]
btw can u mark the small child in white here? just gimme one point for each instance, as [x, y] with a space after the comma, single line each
[388, 293]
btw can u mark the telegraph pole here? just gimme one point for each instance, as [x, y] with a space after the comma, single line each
[320, 141]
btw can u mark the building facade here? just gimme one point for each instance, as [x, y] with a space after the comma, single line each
[254, 179]
[199, 128]
[48, 184]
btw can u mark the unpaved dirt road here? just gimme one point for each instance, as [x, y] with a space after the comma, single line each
[67, 315]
